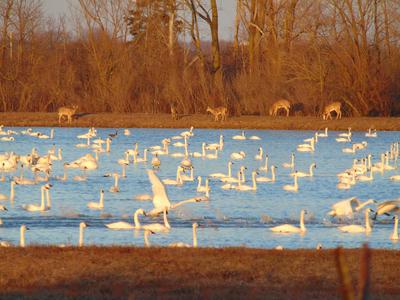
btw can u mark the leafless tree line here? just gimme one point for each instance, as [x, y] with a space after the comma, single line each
[148, 55]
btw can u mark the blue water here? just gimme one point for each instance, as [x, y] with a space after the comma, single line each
[230, 218]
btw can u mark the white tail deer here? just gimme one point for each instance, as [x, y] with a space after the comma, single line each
[67, 111]
[280, 104]
[174, 113]
[332, 107]
[218, 111]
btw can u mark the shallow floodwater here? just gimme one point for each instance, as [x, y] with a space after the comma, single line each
[230, 218]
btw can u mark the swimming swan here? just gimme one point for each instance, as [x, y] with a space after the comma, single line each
[200, 188]
[294, 187]
[288, 228]
[12, 193]
[194, 245]
[97, 205]
[125, 225]
[267, 179]
[239, 137]
[358, 228]
[34, 207]
[22, 230]
[291, 164]
[221, 175]
[346, 207]
[395, 234]
[82, 226]
[242, 187]
[309, 174]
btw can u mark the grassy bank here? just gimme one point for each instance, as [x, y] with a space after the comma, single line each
[198, 121]
[232, 273]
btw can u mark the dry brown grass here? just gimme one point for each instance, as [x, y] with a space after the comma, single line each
[198, 121]
[231, 273]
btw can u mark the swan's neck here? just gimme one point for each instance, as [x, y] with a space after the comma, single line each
[221, 142]
[199, 184]
[60, 154]
[12, 191]
[178, 174]
[48, 199]
[123, 174]
[145, 155]
[312, 170]
[136, 219]
[195, 236]
[229, 170]
[191, 174]
[266, 164]
[396, 229]
[81, 236]
[292, 162]
[166, 223]
[367, 224]
[207, 184]
[52, 133]
[108, 145]
[254, 181]
[42, 201]
[295, 182]
[273, 174]
[22, 238]
[146, 238]
[203, 150]
[135, 157]
[101, 199]
[302, 227]
[116, 181]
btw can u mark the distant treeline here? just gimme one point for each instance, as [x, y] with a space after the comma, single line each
[149, 55]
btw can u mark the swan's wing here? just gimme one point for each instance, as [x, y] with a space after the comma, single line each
[160, 197]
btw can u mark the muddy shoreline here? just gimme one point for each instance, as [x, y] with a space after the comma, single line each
[109, 120]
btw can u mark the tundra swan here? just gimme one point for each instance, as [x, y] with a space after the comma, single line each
[259, 156]
[202, 153]
[82, 145]
[387, 207]
[155, 162]
[82, 226]
[309, 174]
[371, 133]
[200, 188]
[125, 160]
[348, 134]
[144, 159]
[350, 150]
[358, 228]
[306, 147]
[254, 138]
[160, 196]
[240, 176]
[125, 225]
[22, 230]
[360, 146]
[395, 234]
[188, 177]
[242, 187]
[12, 193]
[325, 134]
[156, 227]
[187, 133]
[217, 146]
[97, 205]
[265, 166]
[267, 179]
[395, 177]
[143, 197]
[239, 137]
[346, 207]
[146, 234]
[315, 138]
[194, 234]
[291, 164]
[34, 207]
[212, 155]
[294, 187]
[288, 228]
[238, 155]
[366, 178]
[220, 175]
[177, 181]
[115, 187]
[343, 139]
[127, 132]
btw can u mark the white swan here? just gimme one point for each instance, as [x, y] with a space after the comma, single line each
[259, 156]
[288, 228]
[358, 228]
[291, 164]
[240, 176]
[395, 234]
[217, 146]
[294, 187]
[220, 175]
[363, 178]
[387, 207]
[267, 179]
[306, 147]
[238, 155]
[351, 150]
[346, 207]
[325, 134]
[122, 225]
[97, 205]
[265, 166]
[395, 177]
[127, 132]
[242, 187]
[143, 197]
[254, 138]
[177, 181]
[22, 231]
[348, 134]
[239, 137]
[343, 139]
[156, 227]
[194, 233]
[160, 196]
[144, 159]
[146, 234]
[12, 192]
[188, 133]
[200, 188]
[115, 187]
[82, 226]
[42, 206]
[371, 133]
[309, 174]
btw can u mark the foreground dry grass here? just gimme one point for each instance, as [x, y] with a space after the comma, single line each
[232, 273]
[199, 121]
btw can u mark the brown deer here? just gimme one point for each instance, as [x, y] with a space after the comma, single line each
[174, 113]
[67, 111]
[332, 107]
[280, 104]
[218, 111]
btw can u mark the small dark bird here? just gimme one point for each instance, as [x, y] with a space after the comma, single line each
[113, 135]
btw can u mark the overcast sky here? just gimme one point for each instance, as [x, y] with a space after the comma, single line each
[226, 14]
